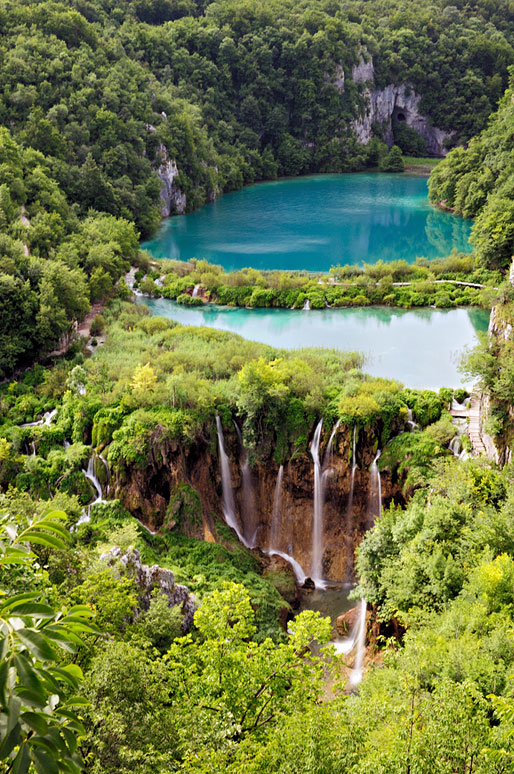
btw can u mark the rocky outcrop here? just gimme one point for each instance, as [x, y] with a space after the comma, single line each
[173, 200]
[148, 579]
[390, 105]
[146, 492]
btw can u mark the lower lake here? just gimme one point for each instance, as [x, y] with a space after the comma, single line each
[315, 222]
[421, 348]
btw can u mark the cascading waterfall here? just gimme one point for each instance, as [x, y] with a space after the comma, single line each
[327, 459]
[410, 421]
[250, 524]
[229, 509]
[375, 492]
[317, 521]
[91, 476]
[195, 291]
[47, 419]
[455, 446]
[298, 570]
[306, 305]
[356, 641]
[349, 505]
[276, 514]
[107, 471]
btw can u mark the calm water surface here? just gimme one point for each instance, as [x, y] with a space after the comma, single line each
[314, 223]
[421, 348]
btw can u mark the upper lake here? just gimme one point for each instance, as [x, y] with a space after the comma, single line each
[314, 223]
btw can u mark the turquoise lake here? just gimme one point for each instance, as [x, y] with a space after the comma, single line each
[421, 348]
[314, 223]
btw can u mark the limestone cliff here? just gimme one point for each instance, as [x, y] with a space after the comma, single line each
[392, 104]
[173, 200]
[149, 579]
[176, 473]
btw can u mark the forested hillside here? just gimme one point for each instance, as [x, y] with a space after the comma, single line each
[477, 181]
[98, 97]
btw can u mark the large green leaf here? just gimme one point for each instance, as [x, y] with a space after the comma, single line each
[37, 644]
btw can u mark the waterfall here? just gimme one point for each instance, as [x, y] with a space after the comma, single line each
[375, 492]
[327, 459]
[317, 521]
[410, 421]
[356, 641]
[455, 446]
[46, 419]
[229, 510]
[33, 447]
[90, 474]
[276, 514]
[195, 291]
[349, 505]
[298, 570]
[306, 305]
[250, 524]
[107, 471]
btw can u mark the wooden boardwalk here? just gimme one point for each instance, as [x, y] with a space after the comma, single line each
[473, 415]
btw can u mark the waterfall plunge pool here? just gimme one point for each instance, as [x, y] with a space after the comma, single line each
[421, 348]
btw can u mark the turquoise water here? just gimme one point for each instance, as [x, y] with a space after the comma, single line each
[421, 348]
[314, 223]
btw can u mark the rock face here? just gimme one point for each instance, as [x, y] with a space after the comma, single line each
[150, 578]
[147, 491]
[173, 200]
[390, 105]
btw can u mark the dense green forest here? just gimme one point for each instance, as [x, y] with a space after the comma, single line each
[144, 692]
[137, 633]
[96, 96]
[476, 181]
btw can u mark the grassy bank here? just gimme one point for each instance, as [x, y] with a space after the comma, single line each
[443, 283]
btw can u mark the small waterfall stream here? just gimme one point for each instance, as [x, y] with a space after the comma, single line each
[229, 509]
[276, 514]
[107, 472]
[196, 291]
[250, 522]
[306, 305]
[317, 520]
[375, 492]
[349, 506]
[91, 476]
[356, 641]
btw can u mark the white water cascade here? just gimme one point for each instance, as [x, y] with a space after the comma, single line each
[375, 492]
[356, 641]
[47, 419]
[196, 290]
[317, 520]
[327, 459]
[455, 446]
[410, 421]
[276, 514]
[91, 476]
[250, 523]
[349, 505]
[107, 471]
[298, 570]
[229, 509]
[306, 305]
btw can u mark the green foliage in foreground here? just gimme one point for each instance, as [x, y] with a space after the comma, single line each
[218, 699]
[39, 725]
[397, 283]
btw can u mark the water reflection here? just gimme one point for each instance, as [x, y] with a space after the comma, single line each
[419, 347]
[315, 222]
